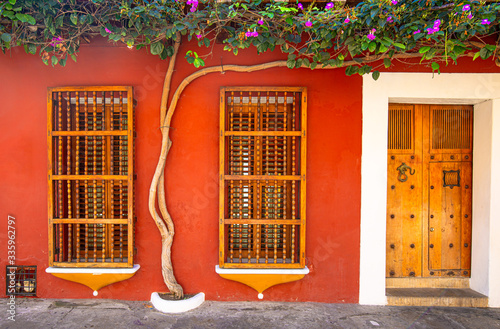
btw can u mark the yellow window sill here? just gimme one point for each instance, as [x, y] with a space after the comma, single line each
[94, 278]
[261, 279]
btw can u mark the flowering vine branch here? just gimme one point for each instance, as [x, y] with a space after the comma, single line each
[312, 35]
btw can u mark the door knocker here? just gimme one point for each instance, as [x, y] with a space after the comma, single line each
[403, 177]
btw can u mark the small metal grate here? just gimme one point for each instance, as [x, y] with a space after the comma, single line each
[451, 178]
[20, 280]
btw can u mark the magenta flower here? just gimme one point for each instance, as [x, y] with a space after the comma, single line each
[347, 20]
[56, 41]
[199, 36]
[431, 30]
[252, 34]
[309, 24]
[394, 2]
[194, 5]
[469, 16]
[260, 22]
[466, 7]
[435, 28]
[107, 30]
[389, 19]
[371, 35]
[417, 31]
[485, 22]
[300, 6]
[329, 5]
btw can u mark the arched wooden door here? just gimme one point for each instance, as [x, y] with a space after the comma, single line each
[429, 191]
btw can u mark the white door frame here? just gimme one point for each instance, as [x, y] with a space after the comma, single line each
[480, 90]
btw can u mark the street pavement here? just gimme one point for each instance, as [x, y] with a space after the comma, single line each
[100, 313]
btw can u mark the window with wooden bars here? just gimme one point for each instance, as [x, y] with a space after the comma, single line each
[262, 177]
[90, 176]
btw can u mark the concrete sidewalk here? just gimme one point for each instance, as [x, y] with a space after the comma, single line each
[98, 313]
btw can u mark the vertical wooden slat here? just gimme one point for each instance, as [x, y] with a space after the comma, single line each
[303, 170]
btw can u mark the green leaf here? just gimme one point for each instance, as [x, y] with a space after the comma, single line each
[6, 37]
[400, 45]
[21, 17]
[350, 70]
[54, 60]
[290, 63]
[375, 75]
[372, 46]
[207, 42]
[12, 2]
[157, 48]
[73, 57]
[387, 62]
[382, 48]
[476, 55]
[423, 50]
[198, 62]
[32, 48]
[435, 66]
[170, 51]
[485, 53]
[30, 19]
[59, 21]
[62, 62]
[74, 18]
[490, 47]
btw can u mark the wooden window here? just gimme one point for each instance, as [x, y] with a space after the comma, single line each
[262, 177]
[90, 176]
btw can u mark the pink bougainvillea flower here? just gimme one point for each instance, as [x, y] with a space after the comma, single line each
[394, 2]
[485, 22]
[329, 5]
[417, 31]
[194, 5]
[56, 41]
[469, 16]
[309, 24]
[389, 19]
[252, 34]
[300, 6]
[466, 8]
[107, 30]
[260, 22]
[199, 36]
[347, 20]
[435, 28]
[371, 35]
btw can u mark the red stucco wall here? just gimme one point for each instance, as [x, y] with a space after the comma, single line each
[334, 160]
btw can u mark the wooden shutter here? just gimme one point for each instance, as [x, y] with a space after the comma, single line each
[90, 176]
[262, 177]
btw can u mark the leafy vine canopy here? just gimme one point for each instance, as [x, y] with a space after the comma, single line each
[311, 33]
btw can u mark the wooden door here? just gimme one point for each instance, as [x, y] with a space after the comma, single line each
[429, 192]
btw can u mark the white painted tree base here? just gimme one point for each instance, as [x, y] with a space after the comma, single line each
[177, 306]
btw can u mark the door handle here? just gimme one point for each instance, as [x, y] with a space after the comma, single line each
[402, 176]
